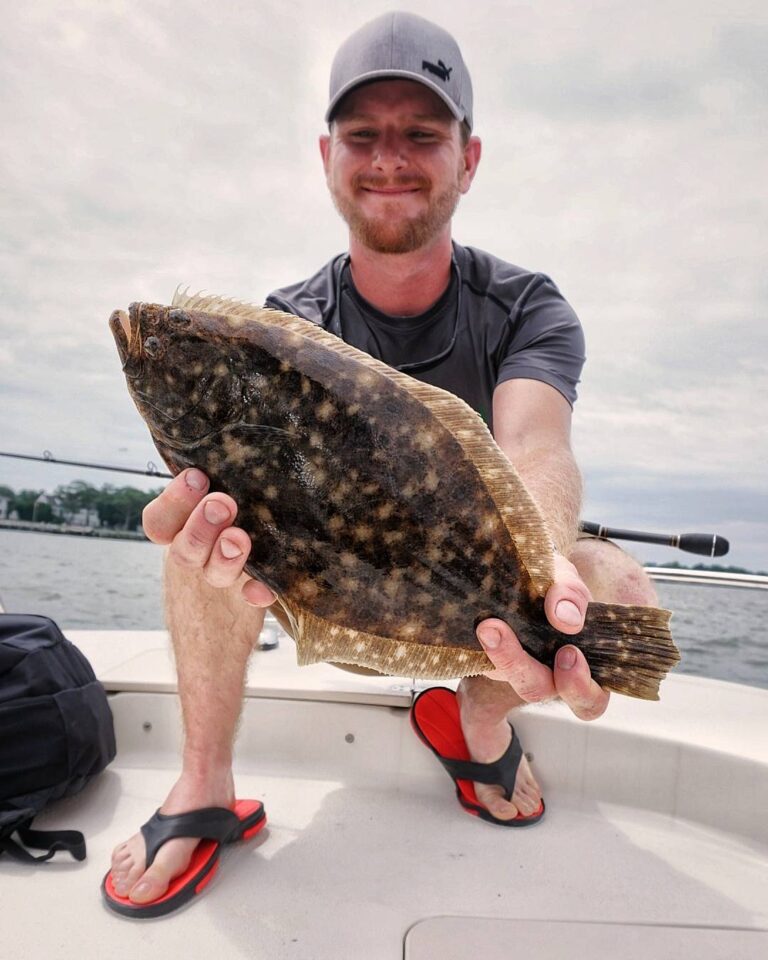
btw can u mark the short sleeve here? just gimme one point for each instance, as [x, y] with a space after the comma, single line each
[547, 341]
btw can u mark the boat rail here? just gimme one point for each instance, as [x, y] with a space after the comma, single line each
[711, 578]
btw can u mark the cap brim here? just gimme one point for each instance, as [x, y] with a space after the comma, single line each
[392, 75]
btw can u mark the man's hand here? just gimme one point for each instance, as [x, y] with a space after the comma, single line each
[565, 606]
[197, 527]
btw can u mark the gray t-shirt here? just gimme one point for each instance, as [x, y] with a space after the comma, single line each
[494, 322]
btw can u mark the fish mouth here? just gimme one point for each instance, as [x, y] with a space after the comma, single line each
[120, 325]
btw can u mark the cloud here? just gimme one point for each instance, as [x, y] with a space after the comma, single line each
[148, 145]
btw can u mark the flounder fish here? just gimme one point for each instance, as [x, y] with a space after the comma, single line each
[380, 510]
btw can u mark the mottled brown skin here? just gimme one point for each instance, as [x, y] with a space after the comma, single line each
[361, 506]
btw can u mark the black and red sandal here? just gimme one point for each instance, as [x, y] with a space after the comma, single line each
[215, 826]
[436, 722]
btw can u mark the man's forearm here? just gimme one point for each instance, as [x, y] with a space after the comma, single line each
[554, 481]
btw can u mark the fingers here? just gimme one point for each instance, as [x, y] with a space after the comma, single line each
[209, 542]
[575, 685]
[258, 594]
[565, 604]
[199, 531]
[165, 516]
[533, 682]
[530, 680]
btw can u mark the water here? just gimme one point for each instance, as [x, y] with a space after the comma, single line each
[86, 583]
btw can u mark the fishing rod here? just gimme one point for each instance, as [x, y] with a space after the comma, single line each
[705, 544]
[48, 457]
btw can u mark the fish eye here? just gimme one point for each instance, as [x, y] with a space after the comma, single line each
[151, 346]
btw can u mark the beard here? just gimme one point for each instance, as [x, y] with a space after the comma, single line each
[392, 231]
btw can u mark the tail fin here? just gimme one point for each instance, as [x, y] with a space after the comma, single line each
[629, 649]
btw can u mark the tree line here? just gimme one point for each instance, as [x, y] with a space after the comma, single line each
[119, 508]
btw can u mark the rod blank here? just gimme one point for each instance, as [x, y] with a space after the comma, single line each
[704, 544]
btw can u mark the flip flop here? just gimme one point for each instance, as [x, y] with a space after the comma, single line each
[435, 720]
[215, 826]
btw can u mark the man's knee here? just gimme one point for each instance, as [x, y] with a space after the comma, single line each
[612, 575]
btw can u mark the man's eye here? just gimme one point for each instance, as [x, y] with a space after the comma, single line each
[361, 134]
[423, 135]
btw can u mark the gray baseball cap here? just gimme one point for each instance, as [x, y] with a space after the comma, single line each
[403, 46]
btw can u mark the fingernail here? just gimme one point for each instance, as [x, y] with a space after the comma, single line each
[490, 638]
[196, 479]
[230, 549]
[216, 512]
[566, 658]
[568, 613]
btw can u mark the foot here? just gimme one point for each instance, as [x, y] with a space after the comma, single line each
[130, 875]
[488, 739]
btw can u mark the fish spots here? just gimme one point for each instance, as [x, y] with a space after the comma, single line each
[271, 492]
[315, 438]
[317, 474]
[221, 369]
[449, 610]
[433, 554]
[306, 386]
[431, 480]
[197, 368]
[393, 585]
[235, 452]
[336, 523]
[307, 589]
[347, 559]
[391, 537]
[384, 510]
[362, 532]
[423, 599]
[340, 493]
[264, 514]
[325, 411]
[353, 408]
[369, 489]
[426, 440]
[170, 379]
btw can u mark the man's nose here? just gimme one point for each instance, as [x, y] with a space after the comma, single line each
[389, 154]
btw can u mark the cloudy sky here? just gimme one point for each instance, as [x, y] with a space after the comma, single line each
[147, 144]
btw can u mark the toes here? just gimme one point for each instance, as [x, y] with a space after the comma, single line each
[494, 802]
[152, 885]
[125, 879]
[120, 855]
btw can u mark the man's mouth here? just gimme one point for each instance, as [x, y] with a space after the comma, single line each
[391, 190]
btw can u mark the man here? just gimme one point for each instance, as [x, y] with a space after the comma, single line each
[398, 155]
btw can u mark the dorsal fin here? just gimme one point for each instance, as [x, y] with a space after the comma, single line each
[518, 509]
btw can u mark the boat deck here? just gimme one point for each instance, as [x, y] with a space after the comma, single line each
[655, 841]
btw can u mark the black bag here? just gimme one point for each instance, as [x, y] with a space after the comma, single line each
[56, 732]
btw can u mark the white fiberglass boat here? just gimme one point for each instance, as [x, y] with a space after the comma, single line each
[654, 844]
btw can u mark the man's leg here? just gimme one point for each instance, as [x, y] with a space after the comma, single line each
[612, 576]
[213, 632]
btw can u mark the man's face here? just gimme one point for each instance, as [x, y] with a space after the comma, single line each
[396, 166]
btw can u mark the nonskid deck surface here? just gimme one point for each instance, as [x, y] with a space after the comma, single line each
[366, 842]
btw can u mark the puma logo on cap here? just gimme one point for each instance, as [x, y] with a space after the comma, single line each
[440, 70]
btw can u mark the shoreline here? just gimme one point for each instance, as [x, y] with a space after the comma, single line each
[64, 529]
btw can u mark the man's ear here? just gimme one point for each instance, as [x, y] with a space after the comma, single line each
[472, 153]
[324, 143]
